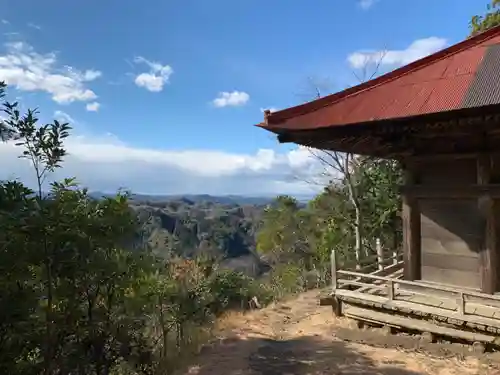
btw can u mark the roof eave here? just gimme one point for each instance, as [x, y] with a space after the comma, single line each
[286, 135]
[282, 134]
[275, 118]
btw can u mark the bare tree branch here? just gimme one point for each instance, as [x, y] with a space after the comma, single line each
[341, 165]
[364, 77]
[315, 87]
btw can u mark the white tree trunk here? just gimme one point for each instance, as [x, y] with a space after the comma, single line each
[353, 197]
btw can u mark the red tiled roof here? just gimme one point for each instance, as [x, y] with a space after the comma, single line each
[464, 75]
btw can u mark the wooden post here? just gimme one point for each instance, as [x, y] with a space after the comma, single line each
[461, 303]
[336, 302]
[333, 260]
[390, 290]
[380, 254]
[488, 252]
[495, 222]
[396, 246]
[411, 230]
[337, 306]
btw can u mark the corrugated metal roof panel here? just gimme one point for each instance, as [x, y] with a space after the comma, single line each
[452, 79]
[485, 88]
[447, 94]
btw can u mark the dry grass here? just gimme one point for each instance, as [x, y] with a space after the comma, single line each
[298, 337]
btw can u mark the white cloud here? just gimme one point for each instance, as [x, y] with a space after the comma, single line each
[93, 107]
[64, 117]
[415, 51]
[367, 4]
[90, 75]
[5, 22]
[105, 163]
[34, 26]
[231, 99]
[156, 78]
[12, 35]
[28, 70]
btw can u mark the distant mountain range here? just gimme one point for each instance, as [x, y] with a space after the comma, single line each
[197, 198]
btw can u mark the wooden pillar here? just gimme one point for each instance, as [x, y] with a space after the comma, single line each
[411, 230]
[495, 179]
[488, 255]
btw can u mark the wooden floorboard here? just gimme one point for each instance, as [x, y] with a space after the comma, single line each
[476, 314]
[450, 304]
[423, 300]
[439, 301]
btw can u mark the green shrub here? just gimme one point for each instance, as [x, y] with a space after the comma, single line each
[230, 290]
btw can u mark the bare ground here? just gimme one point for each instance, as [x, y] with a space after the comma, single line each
[301, 338]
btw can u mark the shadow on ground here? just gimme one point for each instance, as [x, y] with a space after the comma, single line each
[309, 355]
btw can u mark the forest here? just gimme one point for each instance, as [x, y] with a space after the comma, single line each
[113, 285]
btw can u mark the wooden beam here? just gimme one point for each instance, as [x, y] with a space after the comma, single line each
[447, 262]
[443, 156]
[411, 229]
[488, 251]
[495, 168]
[451, 191]
[383, 317]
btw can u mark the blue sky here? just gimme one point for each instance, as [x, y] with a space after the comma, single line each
[163, 95]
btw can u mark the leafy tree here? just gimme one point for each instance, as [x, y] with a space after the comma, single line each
[333, 223]
[75, 298]
[283, 235]
[381, 179]
[490, 19]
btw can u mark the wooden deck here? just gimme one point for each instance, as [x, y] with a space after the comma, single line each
[381, 297]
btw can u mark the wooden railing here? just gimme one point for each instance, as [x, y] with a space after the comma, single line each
[380, 264]
[386, 278]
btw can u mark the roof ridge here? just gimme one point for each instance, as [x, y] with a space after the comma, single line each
[314, 105]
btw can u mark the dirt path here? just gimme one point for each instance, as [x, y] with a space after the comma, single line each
[301, 338]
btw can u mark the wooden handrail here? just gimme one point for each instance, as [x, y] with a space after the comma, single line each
[357, 283]
[417, 284]
[372, 260]
[379, 263]
[375, 263]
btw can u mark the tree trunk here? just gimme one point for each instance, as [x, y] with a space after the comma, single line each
[164, 331]
[353, 197]
[358, 236]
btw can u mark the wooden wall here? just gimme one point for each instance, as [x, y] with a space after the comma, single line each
[450, 235]
[451, 229]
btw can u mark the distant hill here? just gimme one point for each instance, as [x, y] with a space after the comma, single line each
[201, 198]
[238, 200]
[223, 227]
[186, 228]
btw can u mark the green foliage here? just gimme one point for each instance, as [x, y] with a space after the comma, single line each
[490, 19]
[75, 299]
[231, 290]
[287, 279]
[69, 305]
[381, 199]
[178, 228]
[283, 234]
[299, 240]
